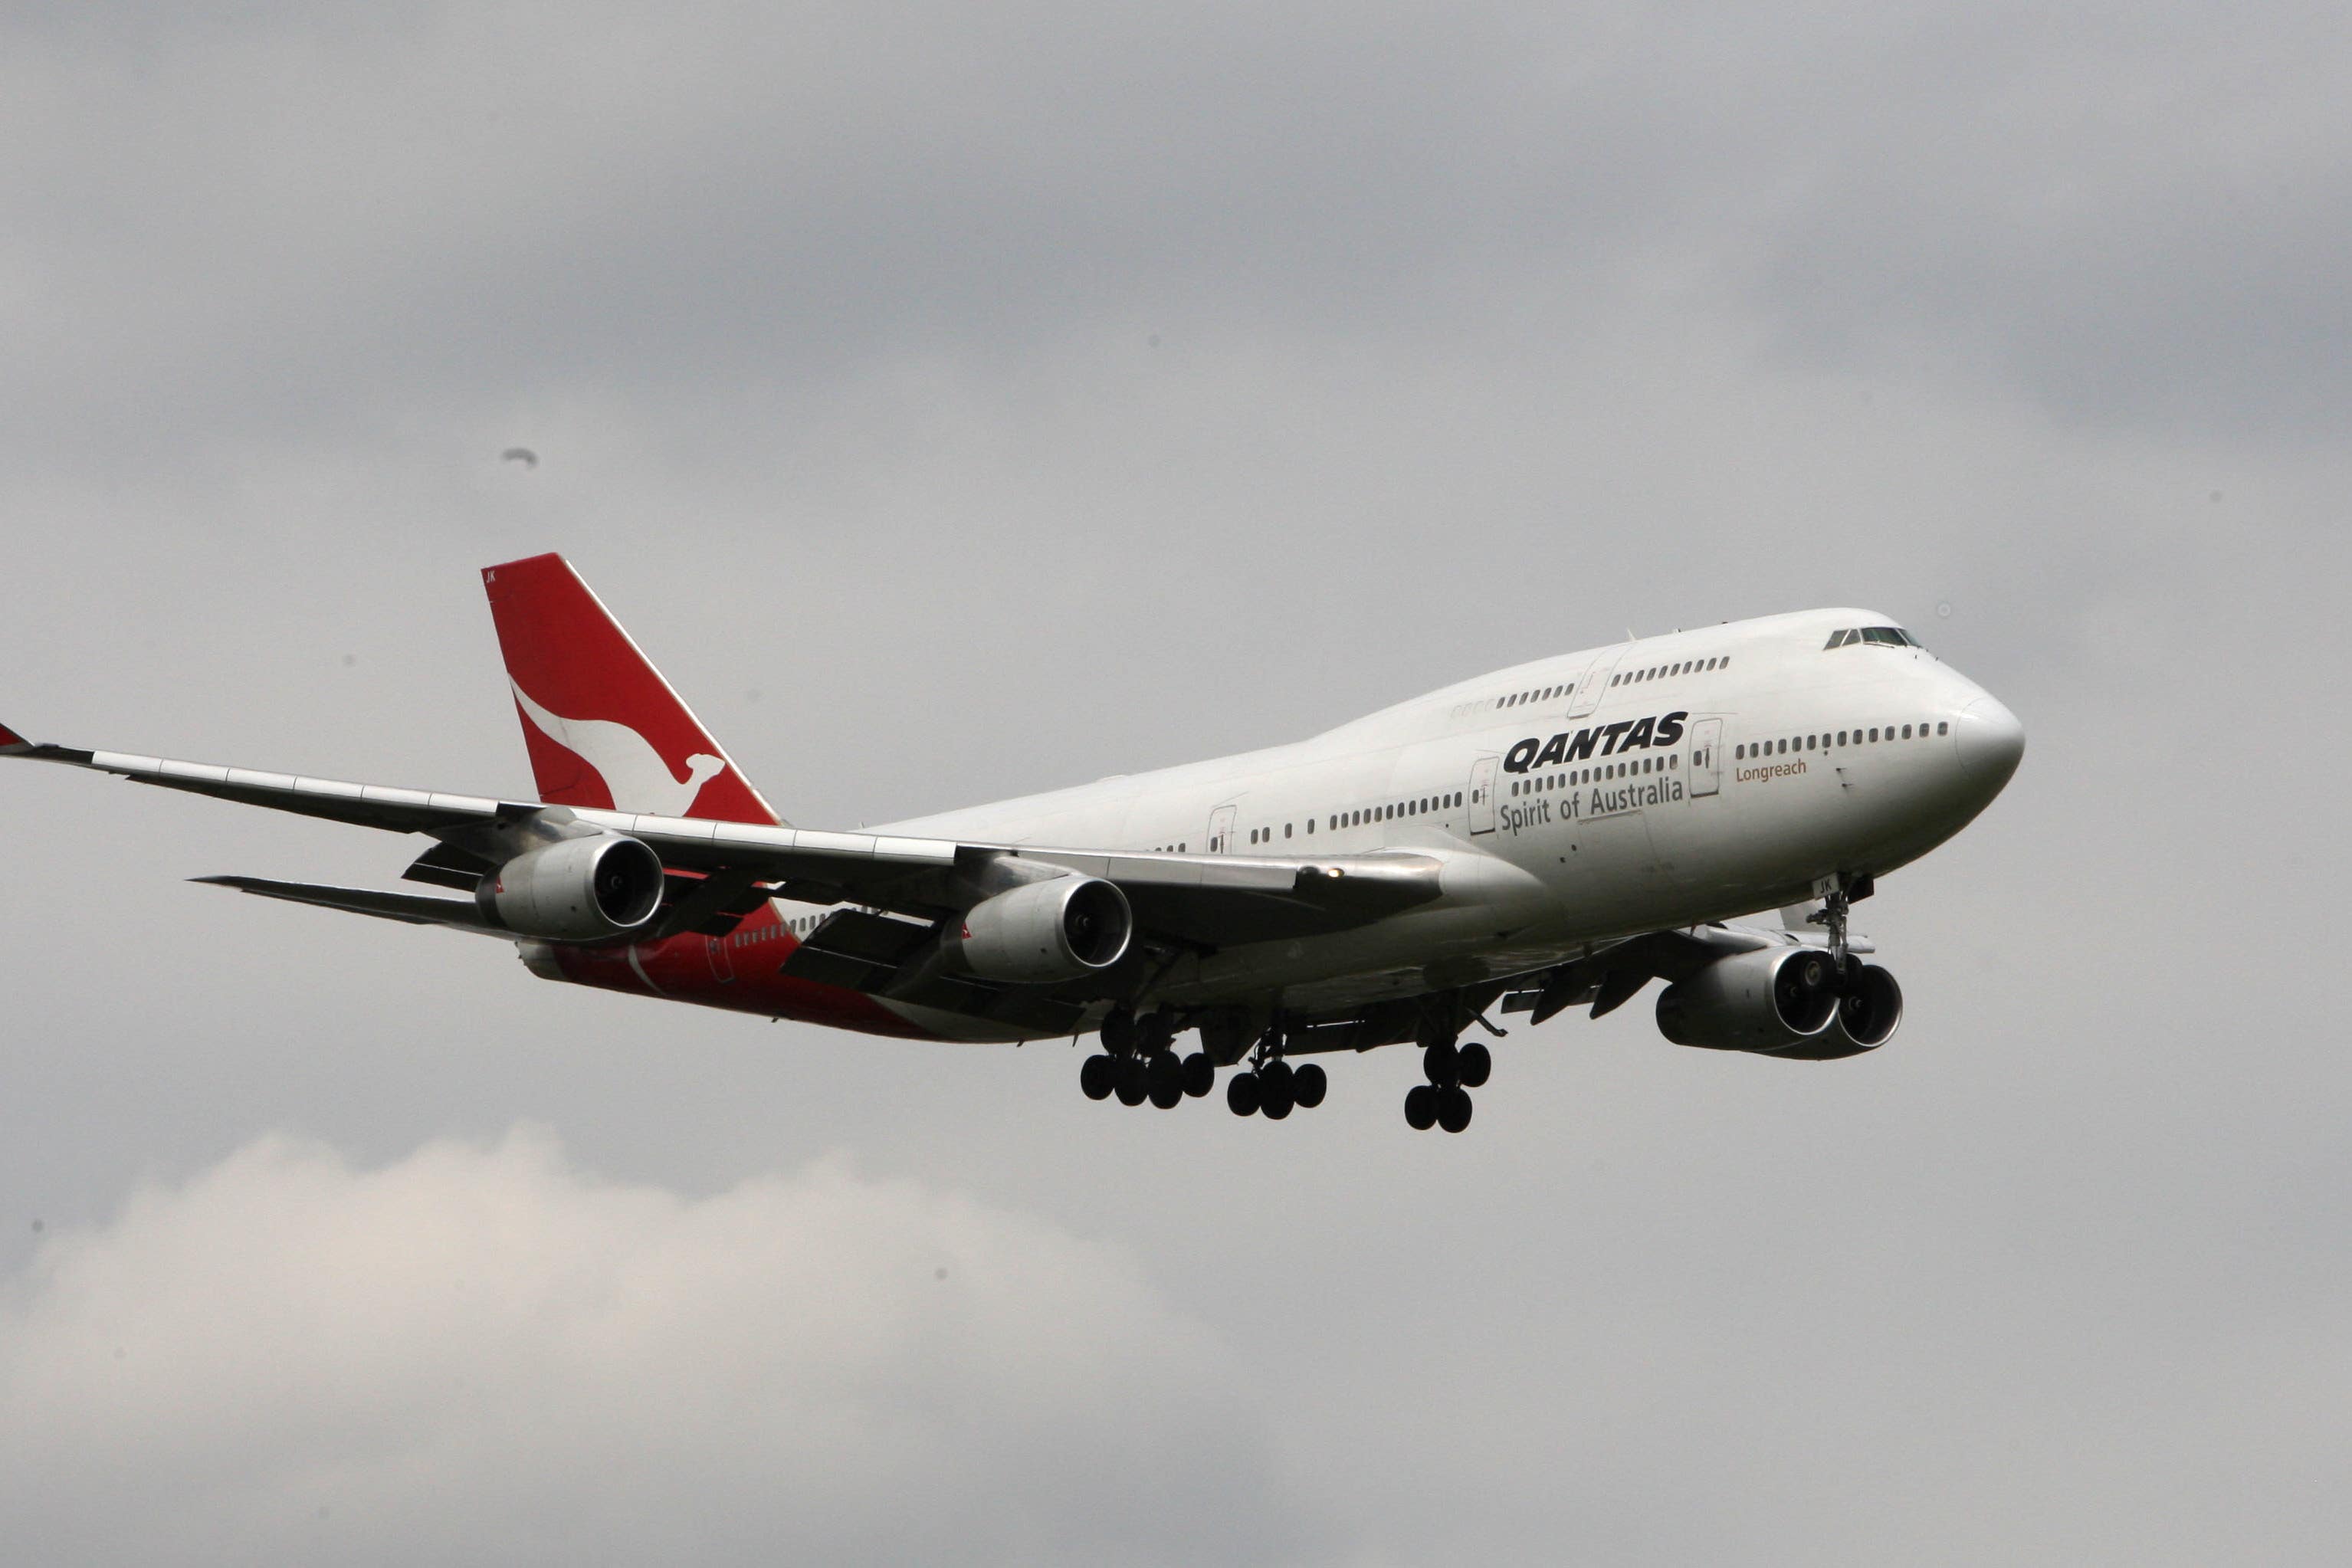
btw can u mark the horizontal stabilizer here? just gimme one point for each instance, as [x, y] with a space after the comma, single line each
[10, 740]
[458, 914]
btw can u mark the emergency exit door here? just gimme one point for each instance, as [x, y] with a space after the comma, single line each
[1706, 756]
[1482, 794]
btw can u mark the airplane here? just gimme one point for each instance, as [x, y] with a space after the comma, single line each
[1554, 835]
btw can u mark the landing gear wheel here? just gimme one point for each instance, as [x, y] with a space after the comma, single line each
[1133, 1083]
[1118, 1032]
[1274, 1077]
[1242, 1094]
[1155, 1032]
[1098, 1074]
[1200, 1074]
[1274, 1095]
[1441, 1062]
[1167, 1096]
[1309, 1085]
[1472, 1065]
[1421, 1108]
[1452, 1109]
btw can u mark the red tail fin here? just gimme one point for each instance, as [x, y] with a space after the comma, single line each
[603, 726]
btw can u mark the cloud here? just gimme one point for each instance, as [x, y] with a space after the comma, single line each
[482, 1354]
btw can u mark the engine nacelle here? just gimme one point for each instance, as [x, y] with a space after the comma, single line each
[1045, 931]
[1868, 1014]
[576, 889]
[1766, 1000]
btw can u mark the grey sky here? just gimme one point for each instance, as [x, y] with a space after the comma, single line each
[959, 406]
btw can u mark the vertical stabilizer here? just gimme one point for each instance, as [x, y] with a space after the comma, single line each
[603, 729]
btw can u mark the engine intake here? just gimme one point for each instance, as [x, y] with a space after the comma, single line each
[576, 889]
[1868, 1015]
[1766, 1000]
[1045, 932]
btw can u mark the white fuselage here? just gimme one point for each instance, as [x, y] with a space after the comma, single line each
[1656, 783]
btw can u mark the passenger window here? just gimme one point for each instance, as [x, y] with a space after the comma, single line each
[1907, 732]
[1943, 729]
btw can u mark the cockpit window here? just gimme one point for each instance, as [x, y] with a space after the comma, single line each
[1883, 637]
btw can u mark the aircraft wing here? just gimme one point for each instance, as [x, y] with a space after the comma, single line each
[1613, 972]
[458, 914]
[1199, 901]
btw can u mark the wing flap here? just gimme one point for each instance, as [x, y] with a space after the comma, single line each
[881, 956]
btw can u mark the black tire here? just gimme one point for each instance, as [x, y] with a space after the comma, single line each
[1274, 1078]
[1118, 1030]
[1241, 1094]
[1098, 1075]
[1440, 1063]
[1156, 1031]
[1168, 1096]
[1473, 1064]
[1421, 1108]
[1132, 1090]
[1453, 1108]
[1161, 1071]
[1275, 1098]
[1200, 1075]
[1309, 1085]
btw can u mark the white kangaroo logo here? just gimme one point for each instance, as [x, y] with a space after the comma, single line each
[634, 773]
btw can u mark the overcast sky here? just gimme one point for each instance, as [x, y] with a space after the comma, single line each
[958, 403]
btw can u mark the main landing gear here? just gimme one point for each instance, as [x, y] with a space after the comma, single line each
[1137, 1062]
[1453, 1069]
[1273, 1087]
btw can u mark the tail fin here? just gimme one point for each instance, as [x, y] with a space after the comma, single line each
[604, 728]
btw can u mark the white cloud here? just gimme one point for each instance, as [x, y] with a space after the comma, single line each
[484, 1354]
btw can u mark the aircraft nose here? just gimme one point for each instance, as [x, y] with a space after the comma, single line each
[1990, 740]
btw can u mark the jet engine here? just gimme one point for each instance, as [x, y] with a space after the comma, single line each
[576, 889]
[1045, 931]
[1766, 1000]
[1869, 1009]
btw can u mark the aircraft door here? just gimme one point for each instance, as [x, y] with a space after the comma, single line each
[1706, 757]
[1594, 682]
[1221, 830]
[1482, 794]
[722, 963]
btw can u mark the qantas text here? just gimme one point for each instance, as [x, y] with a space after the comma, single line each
[1600, 740]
